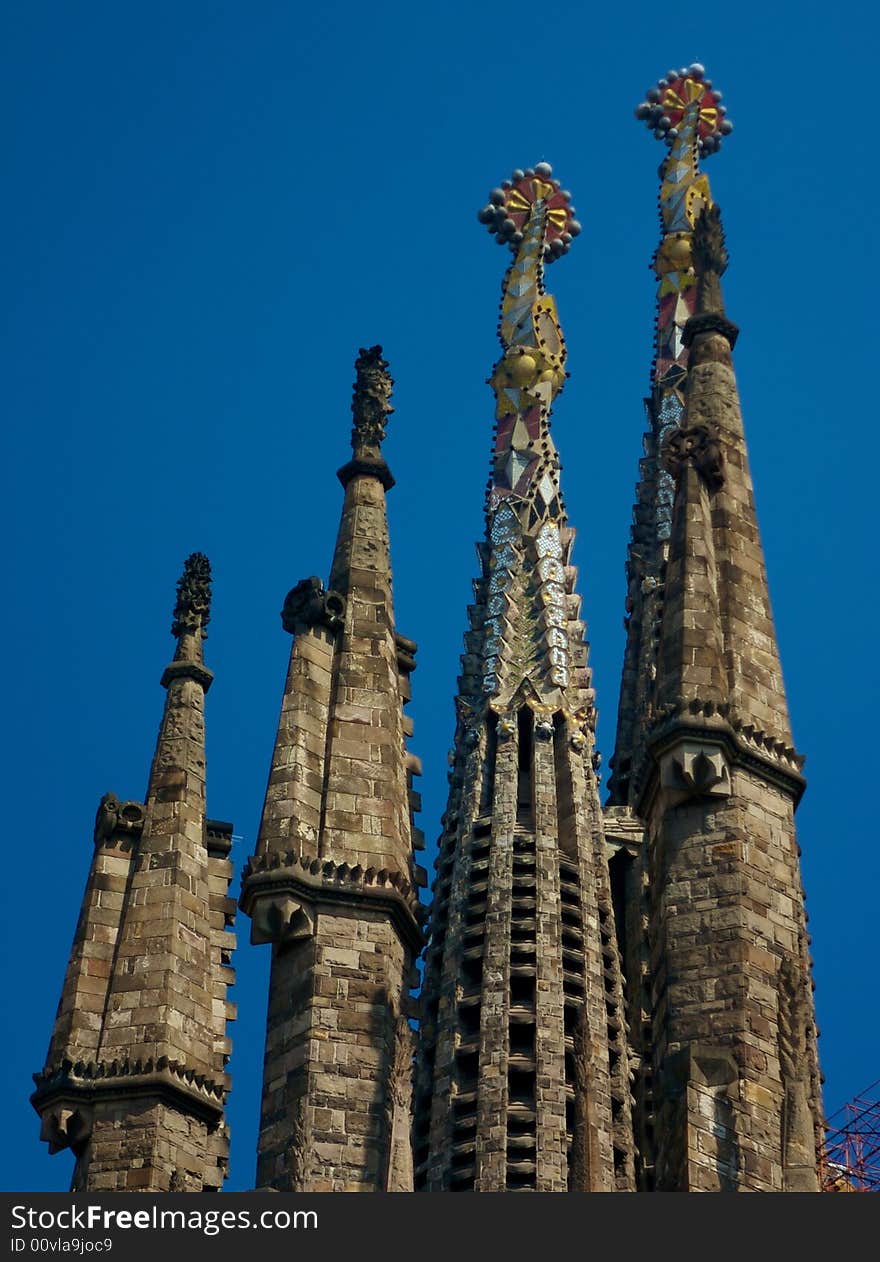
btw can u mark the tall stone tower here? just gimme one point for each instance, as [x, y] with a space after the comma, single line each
[332, 885]
[706, 779]
[523, 1075]
[134, 1081]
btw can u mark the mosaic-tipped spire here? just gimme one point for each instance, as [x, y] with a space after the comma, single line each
[684, 110]
[523, 951]
[532, 214]
[705, 776]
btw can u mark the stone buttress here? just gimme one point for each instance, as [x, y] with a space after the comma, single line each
[332, 883]
[135, 1077]
[523, 1080]
[710, 894]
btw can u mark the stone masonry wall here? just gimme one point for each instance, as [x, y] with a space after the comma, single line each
[725, 915]
[330, 1053]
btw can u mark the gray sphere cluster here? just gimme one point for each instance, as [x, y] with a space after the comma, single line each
[650, 112]
[496, 218]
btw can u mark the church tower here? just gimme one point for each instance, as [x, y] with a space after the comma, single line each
[523, 1081]
[134, 1081]
[706, 779]
[332, 886]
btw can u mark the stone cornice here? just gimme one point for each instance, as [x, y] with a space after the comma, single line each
[362, 466]
[406, 653]
[179, 1085]
[323, 881]
[187, 670]
[744, 745]
[623, 829]
[219, 835]
[710, 322]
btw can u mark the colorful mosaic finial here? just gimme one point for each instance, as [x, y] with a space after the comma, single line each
[528, 540]
[532, 214]
[510, 206]
[685, 111]
[685, 101]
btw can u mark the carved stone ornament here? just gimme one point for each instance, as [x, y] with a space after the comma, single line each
[192, 612]
[114, 816]
[105, 819]
[280, 918]
[300, 1147]
[694, 769]
[699, 446]
[399, 1176]
[793, 1020]
[708, 250]
[798, 1122]
[371, 403]
[308, 605]
[66, 1126]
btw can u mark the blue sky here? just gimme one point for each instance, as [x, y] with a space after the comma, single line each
[209, 209]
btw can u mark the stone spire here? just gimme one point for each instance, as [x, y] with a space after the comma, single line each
[719, 995]
[135, 1077]
[685, 111]
[523, 1075]
[332, 885]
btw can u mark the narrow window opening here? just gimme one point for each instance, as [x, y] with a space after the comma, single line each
[487, 786]
[524, 799]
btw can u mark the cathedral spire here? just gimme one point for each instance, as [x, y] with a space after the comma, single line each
[135, 1080]
[534, 216]
[523, 1074]
[712, 425]
[704, 761]
[684, 111]
[332, 885]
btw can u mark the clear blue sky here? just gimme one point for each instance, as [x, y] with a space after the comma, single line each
[209, 208]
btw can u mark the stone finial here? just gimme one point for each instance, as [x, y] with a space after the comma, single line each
[309, 605]
[371, 401]
[193, 609]
[699, 446]
[792, 1021]
[709, 255]
[106, 818]
[708, 247]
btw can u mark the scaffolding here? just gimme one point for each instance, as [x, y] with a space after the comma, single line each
[851, 1159]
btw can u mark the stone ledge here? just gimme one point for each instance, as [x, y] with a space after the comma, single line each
[710, 322]
[742, 744]
[313, 883]
[72, 1086]
[187, 670]
[761, 740]
[362, 467]
[219, 834]
[406, 653]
